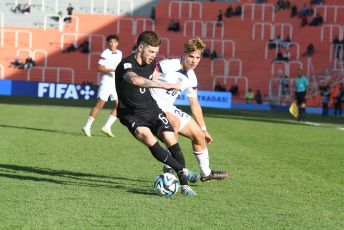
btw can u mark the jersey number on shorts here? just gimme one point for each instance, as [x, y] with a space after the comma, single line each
[180, 113]
[164, 119]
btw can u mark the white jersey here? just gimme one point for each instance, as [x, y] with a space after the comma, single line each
[110, 60]
[171, 72]
[107, 86]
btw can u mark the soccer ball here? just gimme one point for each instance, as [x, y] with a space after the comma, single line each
[166, 184]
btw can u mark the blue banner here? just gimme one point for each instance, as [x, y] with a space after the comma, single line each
[208, 99]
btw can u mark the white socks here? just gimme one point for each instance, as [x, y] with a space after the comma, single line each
[89, 122]
[110, 121]
[203, 162]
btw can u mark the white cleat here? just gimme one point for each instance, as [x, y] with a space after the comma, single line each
[87, 132]
[107, 132]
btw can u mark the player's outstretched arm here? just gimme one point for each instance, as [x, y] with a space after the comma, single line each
[102, 69]
[136, 80]
[198, 115]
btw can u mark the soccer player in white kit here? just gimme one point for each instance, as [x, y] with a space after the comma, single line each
[107, 64]
[182, 72]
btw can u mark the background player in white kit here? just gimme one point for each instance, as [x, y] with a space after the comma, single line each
[107, 64]
[182, 71]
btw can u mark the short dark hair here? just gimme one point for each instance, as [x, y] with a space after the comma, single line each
[112, 36]
[148, 38]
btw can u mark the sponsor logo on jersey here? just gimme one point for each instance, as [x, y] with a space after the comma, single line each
[127, 65]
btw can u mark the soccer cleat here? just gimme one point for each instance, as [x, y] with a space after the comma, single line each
[87, 132]
[186, 190]
[193, 177]
[218, 175]
[107, 132]
[168, 169]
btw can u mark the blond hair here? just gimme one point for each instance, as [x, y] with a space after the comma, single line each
[193, 45]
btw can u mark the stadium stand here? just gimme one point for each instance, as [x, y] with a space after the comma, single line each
[238, 37]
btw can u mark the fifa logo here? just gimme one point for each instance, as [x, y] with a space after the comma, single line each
[66, 91]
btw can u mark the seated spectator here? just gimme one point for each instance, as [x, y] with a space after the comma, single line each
[17, 62]
[261, 1]
[258, 97]
[317, 20]
[304, 21]
[287, 5]
[320, 2]
[229, 11]
[84, 47]
[266, 99]
[26, 8]
[303, 11]
[177, 26]
[218, 87]
[337, 46]
[29, 63]
[206, 52]
[249, 96]
[237, 11]
[279, 56]
[286, 42]
[57, 18]
[213, 55]
[72, 47]
[310, 11]
[234, 90]
[70, 13]
[310, 50]
[280, 5]
[219, 18]
[293, 10]
[275, 43]
[286, 55]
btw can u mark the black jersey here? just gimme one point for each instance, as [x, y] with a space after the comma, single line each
[133, 99]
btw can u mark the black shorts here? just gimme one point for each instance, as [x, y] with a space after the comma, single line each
[300, 97]
[155, 120]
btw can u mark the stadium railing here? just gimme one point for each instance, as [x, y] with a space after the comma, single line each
[180, 7]
[90, 36]
[215, 25]
[283, 25]
[338, 49]
[45, 21]
[193, 22]
[262, 24]
[226, 64]
[223, 42]
[2, 71]
[279, 44]
[331, 26]
[134, 24]
[58, 70]
[167, 44]
[2, 18]
[89, 58]
[236, 79]
[33, 53]
[16, 36]
[262, 6]
[325, 8]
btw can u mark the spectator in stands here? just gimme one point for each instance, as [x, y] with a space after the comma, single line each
[261, 1]
[284, 84]
[279, 56]
[17, 9]
[280, 5]
[237, 11]
[320, 2]
[17, 62]
[219, 18]
[304, 21]
[258, 97]
[310, 11]
[84, 47]
[249, 96]
[229, 11]
[57, 18]
[29, 63]
[213, 55]
[26, 8]
[69, 13]
[152, 14]
[293, 10]
[326, 98]
[287, 5]
[171, 26]
[234, 90]
[218, 87]
[206, 52]
[317, 20]
[286, 42]
[337, 46]
[275, 43]
[310, 50]
[339, 100]
[266, 100]
[177, 26]
[72, 47]
[286, 55]
[303, 11]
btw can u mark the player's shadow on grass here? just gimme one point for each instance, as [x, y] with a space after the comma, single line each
[63, 177]
[41, 130]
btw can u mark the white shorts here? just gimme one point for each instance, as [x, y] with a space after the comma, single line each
[107, 88]
[182, 116]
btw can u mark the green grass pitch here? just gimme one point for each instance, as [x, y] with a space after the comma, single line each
[283, 174]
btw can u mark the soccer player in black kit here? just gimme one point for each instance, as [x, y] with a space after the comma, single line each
[139, 112]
